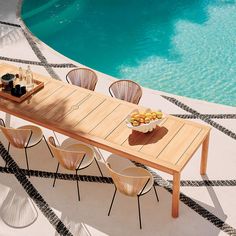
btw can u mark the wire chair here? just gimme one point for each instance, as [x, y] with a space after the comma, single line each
[75, 157]
[82, 77]
[126, 90]
[132, 182]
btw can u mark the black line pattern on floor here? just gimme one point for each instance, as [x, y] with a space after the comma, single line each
[72, 177]
[220, 116]
[201, 116]
[37, 52]
[158, 181]
[188, 201]
[40, 56]
[34, 194]
[38, 63]
[33, 44]
[108, 180]
[210, 116]
[9, 24]
[192, 204]
[205, 183]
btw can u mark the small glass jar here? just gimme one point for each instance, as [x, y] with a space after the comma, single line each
[29, 79]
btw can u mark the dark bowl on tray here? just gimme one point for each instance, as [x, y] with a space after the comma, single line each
[7, 81]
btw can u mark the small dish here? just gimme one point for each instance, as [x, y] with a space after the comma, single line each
[7, 81]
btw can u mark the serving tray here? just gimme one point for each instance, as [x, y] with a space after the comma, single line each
[7, 94]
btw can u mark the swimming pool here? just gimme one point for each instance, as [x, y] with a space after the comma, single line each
[181, 47]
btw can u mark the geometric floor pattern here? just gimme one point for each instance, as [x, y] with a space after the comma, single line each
[67, 229]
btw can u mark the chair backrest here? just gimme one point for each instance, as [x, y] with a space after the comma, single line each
[18, 138]
[128, 185]
[82, 77]
[126, 90]
[68, 159]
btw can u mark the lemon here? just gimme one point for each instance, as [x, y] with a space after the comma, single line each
[135, 123]
[141, 120]
[136, 117]
[148, 114]
[147, 120]
[133, 114]
[159, 114]
[131, 120]
[154, 116]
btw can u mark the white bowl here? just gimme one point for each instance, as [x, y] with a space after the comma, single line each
[144, 128]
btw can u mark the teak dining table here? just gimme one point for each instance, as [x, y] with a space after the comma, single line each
[99, 120]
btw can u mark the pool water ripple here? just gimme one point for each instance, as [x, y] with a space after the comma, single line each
[182, 47]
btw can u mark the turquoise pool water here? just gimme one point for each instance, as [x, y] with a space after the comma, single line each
[185, 47]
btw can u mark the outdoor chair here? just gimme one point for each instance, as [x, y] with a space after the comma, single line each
[17, 211]
[74, 157]
[132, 182]
[23, 137]
[82, 77]
[126, 90]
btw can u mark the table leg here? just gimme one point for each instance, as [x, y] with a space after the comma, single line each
[205, 145]
[175, 195]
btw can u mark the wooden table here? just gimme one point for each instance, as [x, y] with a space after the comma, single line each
[98, 120]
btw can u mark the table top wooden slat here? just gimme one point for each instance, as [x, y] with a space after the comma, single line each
[66, 106]
[179, 144]
[137, 140]
[120, 134]
[94, 118]
[49, 89]
[181, 163]
[100, 120]
[80, 112]
[59, 96]
[162, 136]
[110, 123]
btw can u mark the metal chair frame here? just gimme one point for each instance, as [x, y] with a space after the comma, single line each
[26, 156]
[76, 173]
[138, 196]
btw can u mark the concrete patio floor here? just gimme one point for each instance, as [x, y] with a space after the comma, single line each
[207, 204]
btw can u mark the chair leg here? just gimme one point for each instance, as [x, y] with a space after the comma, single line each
[48, 146]
[98, 166]
[8, 149]
[77, 183]
[139, 213]
[27, 163]
[112, 201]
[156, 193]
[56, 175]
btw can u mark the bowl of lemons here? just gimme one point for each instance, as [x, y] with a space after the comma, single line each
[145, 121]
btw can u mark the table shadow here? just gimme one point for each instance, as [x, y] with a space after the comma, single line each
[138, 138]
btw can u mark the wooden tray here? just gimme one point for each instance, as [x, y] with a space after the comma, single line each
[7, 94]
